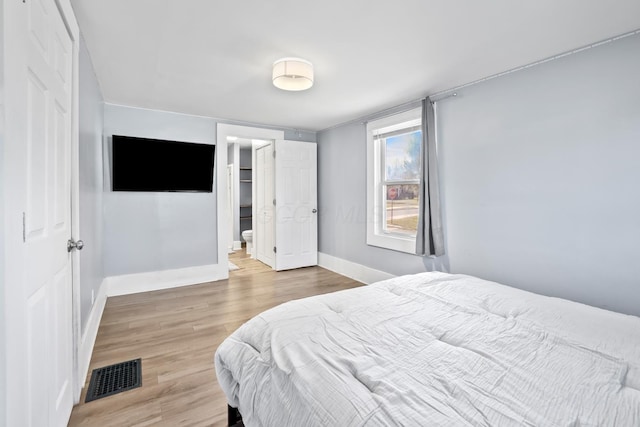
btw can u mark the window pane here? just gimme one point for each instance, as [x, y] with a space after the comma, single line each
[402, 156]
[401, 213]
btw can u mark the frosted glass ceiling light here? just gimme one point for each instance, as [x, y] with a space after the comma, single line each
[292, 74]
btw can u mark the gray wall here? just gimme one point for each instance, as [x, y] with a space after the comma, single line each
[91, 124]
[158, 231]
[300, 135]
[539, 178]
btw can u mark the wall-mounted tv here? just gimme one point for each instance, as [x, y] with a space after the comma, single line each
[141, 164]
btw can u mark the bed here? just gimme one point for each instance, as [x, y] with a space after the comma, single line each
[434, 349]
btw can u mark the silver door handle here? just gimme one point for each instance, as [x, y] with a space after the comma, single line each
[314, 210]
[72, 244]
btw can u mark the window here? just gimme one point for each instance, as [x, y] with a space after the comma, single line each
[393, 180]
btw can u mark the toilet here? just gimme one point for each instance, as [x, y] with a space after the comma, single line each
[247, 235]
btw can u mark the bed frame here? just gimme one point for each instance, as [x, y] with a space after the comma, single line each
[234, 418]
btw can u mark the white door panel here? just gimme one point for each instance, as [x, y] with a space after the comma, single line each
[230, 212]
[36, 156]
[263, 236]
[296, 204]
[37, 346]
[61, 336]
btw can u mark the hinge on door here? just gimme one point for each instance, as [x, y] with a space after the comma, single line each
[274, 202]
[24, 227]
[275, 250]
[274, 154]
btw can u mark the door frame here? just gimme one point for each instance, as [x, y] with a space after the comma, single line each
[14, 204]
[69, 17]
[225, 130]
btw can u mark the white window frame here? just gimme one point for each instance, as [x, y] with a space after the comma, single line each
[376, 206]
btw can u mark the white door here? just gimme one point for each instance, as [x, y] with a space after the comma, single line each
[263, 234]
[230, 187]
[296, 204]
[41, 88]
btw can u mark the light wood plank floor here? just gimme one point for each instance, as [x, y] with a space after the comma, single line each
[176, 333]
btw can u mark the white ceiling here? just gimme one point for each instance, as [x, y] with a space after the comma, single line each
[213, 57]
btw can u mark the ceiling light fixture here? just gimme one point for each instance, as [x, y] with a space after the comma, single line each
[292, 74]
[232, 138]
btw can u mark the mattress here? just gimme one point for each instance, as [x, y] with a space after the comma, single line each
[434, 349]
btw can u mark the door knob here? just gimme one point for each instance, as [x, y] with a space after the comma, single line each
[314, 210]
[72, 244]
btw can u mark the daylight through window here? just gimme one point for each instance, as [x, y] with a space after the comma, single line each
[400, 160]
[394, 180]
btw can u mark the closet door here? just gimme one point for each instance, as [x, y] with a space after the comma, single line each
[296, 192]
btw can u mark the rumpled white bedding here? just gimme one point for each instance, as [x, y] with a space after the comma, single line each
[434, 349]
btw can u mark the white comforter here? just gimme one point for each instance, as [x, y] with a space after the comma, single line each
[434, 349]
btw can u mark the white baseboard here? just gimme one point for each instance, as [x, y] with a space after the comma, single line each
[157, 280]
[90, 332]
[355, 271]
[237, 245]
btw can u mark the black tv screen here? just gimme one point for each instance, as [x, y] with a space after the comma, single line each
[141, 164]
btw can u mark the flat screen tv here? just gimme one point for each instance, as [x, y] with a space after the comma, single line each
[141, 164]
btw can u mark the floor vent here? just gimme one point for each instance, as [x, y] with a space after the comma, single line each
[114, 379]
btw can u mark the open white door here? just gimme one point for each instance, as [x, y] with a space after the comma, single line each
[263, 240]
[230, 189]
[39, 83]
[296, 204]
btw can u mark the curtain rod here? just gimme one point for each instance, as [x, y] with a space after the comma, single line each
[451, 95]
[444, 94]
[397, 108]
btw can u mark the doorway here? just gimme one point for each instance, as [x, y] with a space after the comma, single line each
[284, 177]
[227, 135]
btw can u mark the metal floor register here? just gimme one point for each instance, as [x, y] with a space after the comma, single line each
[114, 379]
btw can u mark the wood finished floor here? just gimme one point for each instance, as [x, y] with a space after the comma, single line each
[176, 333]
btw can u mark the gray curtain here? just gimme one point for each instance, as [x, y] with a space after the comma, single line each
[430, 237]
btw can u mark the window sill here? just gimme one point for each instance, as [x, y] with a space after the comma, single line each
[395, 243]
